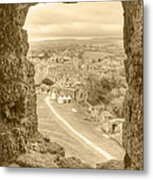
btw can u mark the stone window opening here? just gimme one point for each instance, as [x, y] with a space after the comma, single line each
[133, 45]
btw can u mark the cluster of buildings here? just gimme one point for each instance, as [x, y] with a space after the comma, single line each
[61, 99]
[58, 94]
[64, 95]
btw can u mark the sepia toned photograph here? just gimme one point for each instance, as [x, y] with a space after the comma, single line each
[71, 85]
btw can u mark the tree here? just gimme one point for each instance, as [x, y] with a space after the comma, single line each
[98, 89]
[47, 81]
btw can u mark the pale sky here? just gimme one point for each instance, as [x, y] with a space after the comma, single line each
[86, 19]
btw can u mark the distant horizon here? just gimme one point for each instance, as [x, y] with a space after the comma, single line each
[73, 38]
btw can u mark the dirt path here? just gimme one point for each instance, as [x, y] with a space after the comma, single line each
[50, 126]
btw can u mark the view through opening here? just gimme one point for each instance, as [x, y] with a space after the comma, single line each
[78, 55]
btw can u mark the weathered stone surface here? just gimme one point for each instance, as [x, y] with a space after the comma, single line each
[43, 153]
[37, 160]
[72, 162]
[133, 105]
[112, 164]
[43, 145]
[18, 119]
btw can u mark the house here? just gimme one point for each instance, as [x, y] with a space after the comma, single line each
[69, 99]
[64, 99]
[113, 126]
[45, 89]
[53, 95]
[69, 91]
[54, 92]
[60, 100]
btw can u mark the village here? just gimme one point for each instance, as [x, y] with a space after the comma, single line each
[63, 74]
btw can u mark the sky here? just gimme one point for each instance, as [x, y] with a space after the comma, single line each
[80, 20]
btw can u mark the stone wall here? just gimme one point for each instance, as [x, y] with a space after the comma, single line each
[133, 105]
[18, 119]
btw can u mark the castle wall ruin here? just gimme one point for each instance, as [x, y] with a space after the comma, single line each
[18, 118]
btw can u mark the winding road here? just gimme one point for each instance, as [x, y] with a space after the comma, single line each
[79, 138]
[78, 134]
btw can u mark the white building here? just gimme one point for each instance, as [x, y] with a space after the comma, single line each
[64, 99]
[53, 96]
[60, 100]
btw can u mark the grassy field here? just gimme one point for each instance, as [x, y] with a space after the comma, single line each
[50, 126]
[88, 129]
